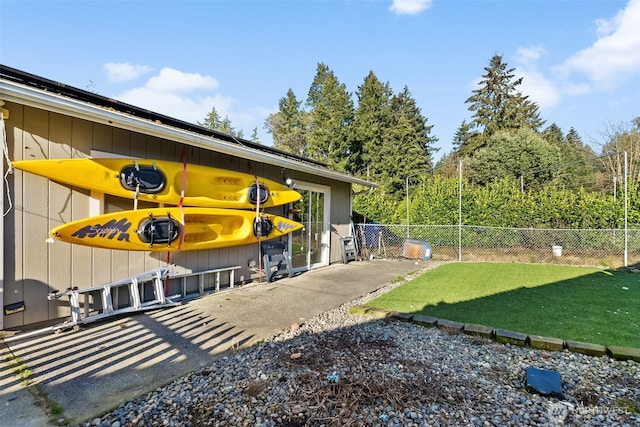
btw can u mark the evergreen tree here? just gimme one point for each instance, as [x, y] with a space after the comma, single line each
[288, 126]
[331, 114]
[575, 166]
[225, 127]
[553, 134]
[254, 135]
[407, 144]
[498, 105]
[463, 133]
[212, 120]
[579, 168]
[372, 118]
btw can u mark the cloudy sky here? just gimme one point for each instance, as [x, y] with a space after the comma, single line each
[580, 59]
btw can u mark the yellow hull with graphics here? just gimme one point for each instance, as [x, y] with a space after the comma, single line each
[162, 229]
[162, 181]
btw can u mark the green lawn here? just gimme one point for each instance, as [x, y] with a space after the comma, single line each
[570, 303]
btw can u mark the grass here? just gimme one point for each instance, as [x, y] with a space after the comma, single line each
[22, 371]
[571, 303]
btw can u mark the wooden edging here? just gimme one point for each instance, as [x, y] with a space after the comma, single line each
[504, 336]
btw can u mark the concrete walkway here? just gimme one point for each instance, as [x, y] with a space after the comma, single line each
[91, 371]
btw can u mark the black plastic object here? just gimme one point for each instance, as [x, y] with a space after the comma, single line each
[545, 382]
[262, 227]
[159, 230]
[14, 308]
[144, 178]
[254, 194]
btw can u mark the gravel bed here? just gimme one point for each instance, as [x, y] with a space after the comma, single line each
[339, 369]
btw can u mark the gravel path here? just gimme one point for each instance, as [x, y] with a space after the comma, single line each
[340, 369]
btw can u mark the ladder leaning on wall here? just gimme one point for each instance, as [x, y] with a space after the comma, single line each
[135, 285]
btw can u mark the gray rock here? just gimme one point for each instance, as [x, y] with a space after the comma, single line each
[353, 369]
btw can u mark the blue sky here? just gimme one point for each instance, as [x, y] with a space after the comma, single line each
[580, 59]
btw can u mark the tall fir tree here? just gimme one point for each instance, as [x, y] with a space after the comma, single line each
[331, 113]
[254, 136]
[553, 134]
[497, 105]
[288, 126]
[463, 133]
[226, 127]
[407, 144]
[372, 118]
[212, 120]
[580, 169]
[575, 166]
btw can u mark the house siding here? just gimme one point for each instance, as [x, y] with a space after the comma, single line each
[32, 267]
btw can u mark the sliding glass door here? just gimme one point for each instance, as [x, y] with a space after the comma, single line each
[310, 246]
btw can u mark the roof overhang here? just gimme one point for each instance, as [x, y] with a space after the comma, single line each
[37, 98]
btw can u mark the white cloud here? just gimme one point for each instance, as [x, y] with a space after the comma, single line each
[615, 56]
[190, 109]
[539, 88]
[190, 97]
[409, 7]
[185, 96]
[576, 89]
[528, 55]
[610, 61]
[120, 72]
[170, 80]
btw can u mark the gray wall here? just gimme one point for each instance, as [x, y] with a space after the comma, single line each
[32, 267]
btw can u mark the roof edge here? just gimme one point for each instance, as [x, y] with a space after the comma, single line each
[19, 93]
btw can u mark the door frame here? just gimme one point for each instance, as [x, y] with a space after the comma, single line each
[325, 240]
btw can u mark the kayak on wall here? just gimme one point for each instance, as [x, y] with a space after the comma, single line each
[162, 229]
[161, 182]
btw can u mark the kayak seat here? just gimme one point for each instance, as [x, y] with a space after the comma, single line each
[146, 179]
[262, 227]
[162, 230]
[254, 194]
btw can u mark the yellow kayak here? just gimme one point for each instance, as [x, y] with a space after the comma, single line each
[161, 182]
[162, 229]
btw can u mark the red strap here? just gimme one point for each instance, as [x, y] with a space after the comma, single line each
[166, 279]
[257, 223]
[183, 156]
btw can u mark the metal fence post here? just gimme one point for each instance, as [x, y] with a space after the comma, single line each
[460, 211]
[626, 224]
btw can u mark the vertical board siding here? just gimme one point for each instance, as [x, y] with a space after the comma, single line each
[60, 208]
[340, 218]
[13, 283]
[33, 268]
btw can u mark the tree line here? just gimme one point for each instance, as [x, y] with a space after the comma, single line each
[383, 137]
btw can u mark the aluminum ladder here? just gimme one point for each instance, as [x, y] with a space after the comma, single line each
[108, 293]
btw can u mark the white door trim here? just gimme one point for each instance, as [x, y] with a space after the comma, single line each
[325, 240]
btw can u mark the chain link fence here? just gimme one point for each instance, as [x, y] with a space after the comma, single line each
[594, 247]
